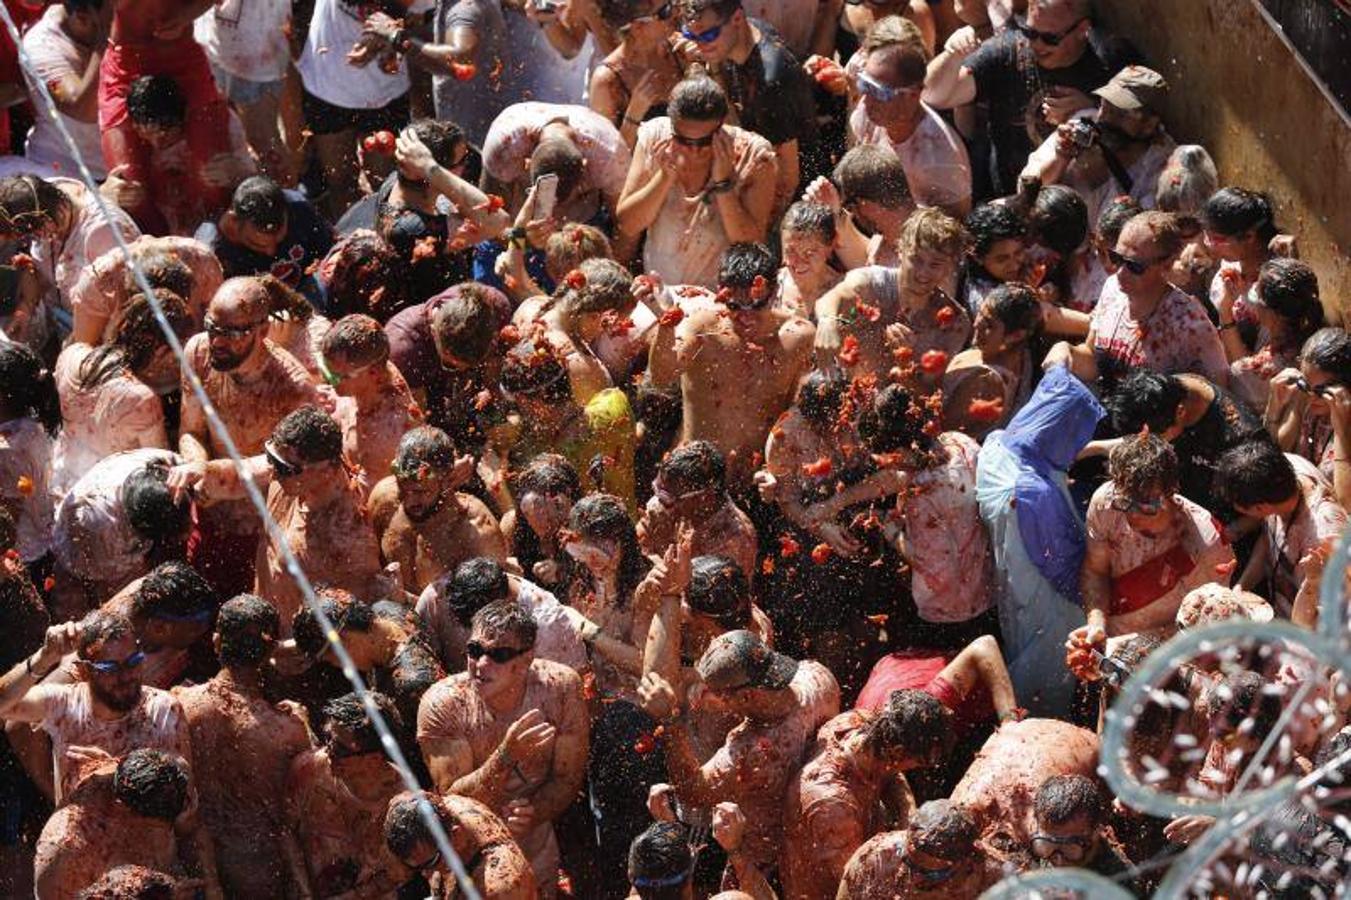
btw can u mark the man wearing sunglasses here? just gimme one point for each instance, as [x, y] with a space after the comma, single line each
[511, 732]
[1071, 821]
[494, 862]
[691, 490]
[1034, 75]
[891, 114]
[937, 856]
[765, 83]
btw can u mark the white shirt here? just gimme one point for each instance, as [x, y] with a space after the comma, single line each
[936, 165]
[55, 56]
[247, 38]
[334, 30]
[91, 236]
[26, 453]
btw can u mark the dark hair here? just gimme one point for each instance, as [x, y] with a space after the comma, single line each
[1016, 306]
[618, 13]
[506, 617]
[1063, 798]
[536, 367]
[742, 262]
[466, 324]
[1329, 349]
[657, 857]
[363, 273]
[75, 6]
[1114, 215]
[1241, 696]
[157, 100]
[349, 712]
[990, 223]
[697, 99]
[607, 287]
[313, 434]
[944, 830]
[358, 339]
[27, 388]
[561, 157]
[719, 589]
[152, 783]
[425, 445]
[130, 882]
[28, 203]
[23, 616]
[284, 300]
[1289, 288]
[696, 465]
[1143, 464]
[604, 516]
[1255, 473]
[1145, 398]
[248, 627]
[1233, 211]
[547, 474]
[260, 202]
[441, 137]
[404, 826]
[893, 421]
[151, 508]
[870, 172]
[136, 338]
[693, 9]
[815, 219]
[914, 722]
[100, 627]
[163, 268]
[173, 590]
[475, 584]
[342, 609]
[1058, 219]
[821, 396]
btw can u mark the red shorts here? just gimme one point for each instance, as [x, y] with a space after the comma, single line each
[182, 60]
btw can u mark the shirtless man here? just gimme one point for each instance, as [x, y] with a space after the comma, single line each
[937, 856]
[244, 745]
[336, 796]
[738, 362]
[432, 527]
[900, 317]
[512, 733]
[494, 861]
[123, 813]
[252, 383]
[691, 491]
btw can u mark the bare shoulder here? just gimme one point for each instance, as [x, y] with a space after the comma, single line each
[477, 511]
[556, 677]
[797, 335]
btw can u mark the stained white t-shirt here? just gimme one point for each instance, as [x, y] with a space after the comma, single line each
[26, 453]
[324, 70]
[936, 164]
[55, 56]
[247, 38]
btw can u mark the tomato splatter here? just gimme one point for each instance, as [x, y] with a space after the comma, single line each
[492, 204]
[848, 354]
[945, 316]
[821, 553]
[788, 547]
[48, 583]
[575, 279]
[463, 71]
[759, 288]
[510, 334]
[982, 410]
[671, 317]
[25, 485]
[868, 311]
[933, 362]
[819, 469]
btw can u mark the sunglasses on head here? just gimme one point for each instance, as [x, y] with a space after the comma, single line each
[1134, 266]
[280, 467]
[337, 378]
[668, 499]
[1049, 38]
[742, 303]
[662, 14]
[230, 332]
[704, 37]
[882, 93]
[112, 666]
[475, 651]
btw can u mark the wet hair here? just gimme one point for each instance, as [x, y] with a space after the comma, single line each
[442, 138]
[821, 396]
[548, 474]
[604, 516]
[100, 627]
[23, 616]
[720, 590]
[425, 445]
[1187, 180]
[619, 13]
[174, 590]
[659, 856]
[363, 273]
[27, 388]
[28, 203]
[466, 324]
[156, 101]
[131, 882]
[696, 466]
[1165, 230]
[152, 783]
[1114, 215]
[1255, 473]
[77, 6]
[697, 99]
[1145, 398]
[1329, 349]
[342, 609]
[163, 269]
[944, 830]
[890, 31]
[357, 338]
[348, 712]
[573, 244]
[506, 618]
[690, 10]
[1058, 219]
[284, 300]
[537, 368]
[313, 434]
[893, 421]
[742, 262]
[1289, 288]
[935, 231]
[990, 223]
[814, 219]
[136, 338]
[1064, 798]
[907, 57]
[404, 826]
[260, 202]
[150, 507]
[1143, 464]
[1016, 306]
[556, 156]
[1241, 696]
[248, 627]
[474, 584]
[870, 172]
[914, 722]
[608, 287]
[1234, 211]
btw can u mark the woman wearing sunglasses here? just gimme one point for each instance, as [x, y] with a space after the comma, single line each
[1288, 313]
[1308, 411]
[631, 84]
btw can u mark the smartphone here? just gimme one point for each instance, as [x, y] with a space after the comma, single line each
[546, 195]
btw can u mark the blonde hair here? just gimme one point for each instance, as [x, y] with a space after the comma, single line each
[933, 229]
[891, 31]
[1165, 230]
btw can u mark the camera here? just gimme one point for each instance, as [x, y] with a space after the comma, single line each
[1084, 133]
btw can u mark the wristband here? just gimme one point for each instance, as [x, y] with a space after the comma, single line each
[28, 667]
[1227, 326]
[717, 187]
[516, 237]
[1013, 715]
[632, 121]
[400, 40]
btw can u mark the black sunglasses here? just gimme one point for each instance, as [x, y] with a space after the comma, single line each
[682, 140]
[1049, 38]
[280, 467]
[230, 332]
[1134, 266]
[1318, 390]
[475, 650]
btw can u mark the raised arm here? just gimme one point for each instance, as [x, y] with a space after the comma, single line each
[980, 662]
[22, 699]
[949, 82]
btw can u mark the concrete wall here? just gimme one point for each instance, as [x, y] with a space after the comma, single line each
[1240, 90]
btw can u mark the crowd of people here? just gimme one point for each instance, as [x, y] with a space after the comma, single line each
[744, 446]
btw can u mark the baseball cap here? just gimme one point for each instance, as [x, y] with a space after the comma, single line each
[1211, 603]
[1135, 87]
[739, 659]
